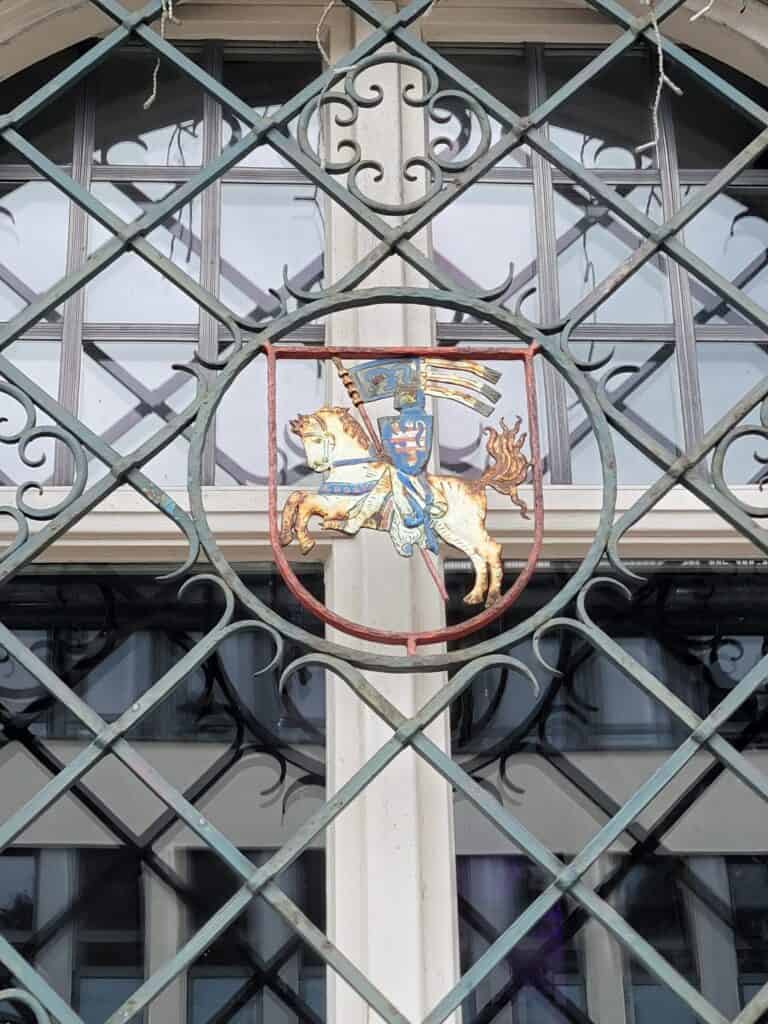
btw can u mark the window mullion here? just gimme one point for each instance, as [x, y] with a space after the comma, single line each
[549, 295]
[682, 307]
[210, 242]
[74, 307]
[713, 937]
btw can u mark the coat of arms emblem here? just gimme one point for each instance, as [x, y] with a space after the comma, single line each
[380, 480]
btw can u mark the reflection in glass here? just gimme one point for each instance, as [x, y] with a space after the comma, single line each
[731, 234]
[529, 985]
[242, 435]
[111, 296]
[653, 904]
[50, 130]
[477, 237]
[646, 392]
[263, 229]
[699, 632]
[227, 982]
[111, 636]
[34, 219]
[78, 916]
[592, 243]
[167, 134]
[748, 877]
[602, 124]
[266, 81]
[699, 108]
[504, 74]
[128, 391]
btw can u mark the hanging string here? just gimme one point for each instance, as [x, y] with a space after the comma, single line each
[166, 15]
[707, 7]
[661, 81]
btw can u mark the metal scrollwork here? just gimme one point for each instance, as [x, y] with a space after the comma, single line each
[443, 155]
[23, 438]
[718, 461]
[17, 995]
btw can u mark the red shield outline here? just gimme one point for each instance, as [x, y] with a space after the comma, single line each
[411, 640]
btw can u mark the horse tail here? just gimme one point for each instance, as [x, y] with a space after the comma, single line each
[510, 467]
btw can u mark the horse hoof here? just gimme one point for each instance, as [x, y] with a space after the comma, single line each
[306, 546]
[473, 599]
[492, 599]
[285, 539]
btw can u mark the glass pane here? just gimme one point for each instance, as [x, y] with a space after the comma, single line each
[242, 444]
[592, 243]
[477, 237]
[647, 393]
[111, 296]
[34, 220]
[493, 891]
[52, 129]
[18, 873]
[748, 878]
[263, 229]
[700, 108]
[608, 118]
[727, 371]
[731, 234]
[100, 997]
[699, 632]
[502, 73]
[653, 904]
[110, 636]
[128, 391]
[265, 81]
[225, 975]
[167, 134]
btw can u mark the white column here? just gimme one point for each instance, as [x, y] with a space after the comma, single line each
[391, 868]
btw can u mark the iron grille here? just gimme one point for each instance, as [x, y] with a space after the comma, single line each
[394, 228]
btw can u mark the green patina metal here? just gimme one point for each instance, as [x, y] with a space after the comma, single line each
[341, 661]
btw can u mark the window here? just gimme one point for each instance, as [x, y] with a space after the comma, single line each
[542, 981]
[686, 358]
[258, 970]
[78, 915]
[748, 877]
[697, 630]
[119, 373]
[112, 634]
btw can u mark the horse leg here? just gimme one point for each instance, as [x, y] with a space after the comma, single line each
[491, 552]
[288, 520]
[310, 505]
[479, 564]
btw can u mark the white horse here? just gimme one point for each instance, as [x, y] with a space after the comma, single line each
[359, 493]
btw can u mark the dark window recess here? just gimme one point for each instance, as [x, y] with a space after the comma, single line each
[111, 635]
[748, 878]
[699, 632]
[542, 980]
[653, 902]
[78, 916]
[259, 969]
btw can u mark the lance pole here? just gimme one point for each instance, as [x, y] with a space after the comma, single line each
[357, 401]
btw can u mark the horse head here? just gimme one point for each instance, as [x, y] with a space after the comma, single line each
[328, 434]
